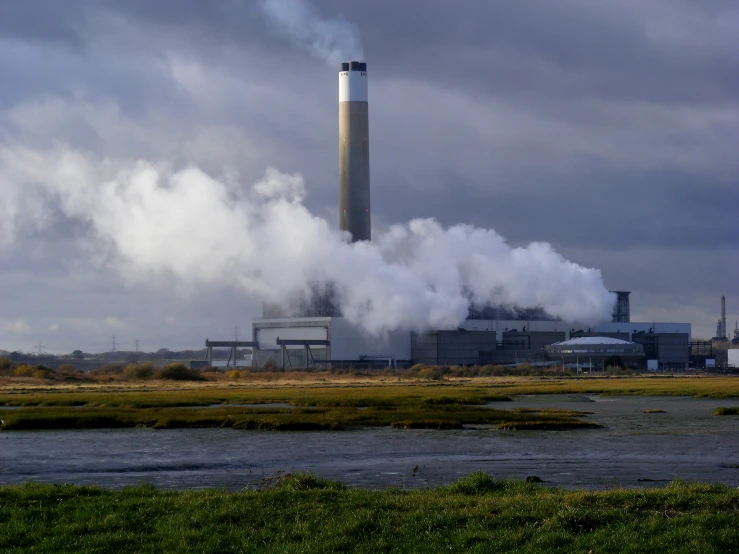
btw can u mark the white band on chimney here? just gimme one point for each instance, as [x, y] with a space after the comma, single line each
[353, 86]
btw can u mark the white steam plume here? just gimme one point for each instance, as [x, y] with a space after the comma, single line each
[332, 40]
[188, 228]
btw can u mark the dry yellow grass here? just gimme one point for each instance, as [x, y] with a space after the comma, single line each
[692, 385]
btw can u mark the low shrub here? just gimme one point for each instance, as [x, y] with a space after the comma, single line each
[107, 370]
[6, 366]
[139, 371]
[180, 372]
[23, 370]
[433, 373]
[616, 370]
[233, 374]
[41, 372]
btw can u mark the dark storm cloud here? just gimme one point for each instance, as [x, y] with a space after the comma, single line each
[638, 50]
[609, 129]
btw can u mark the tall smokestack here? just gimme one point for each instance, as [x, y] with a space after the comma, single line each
[354, 185]
[723, 317]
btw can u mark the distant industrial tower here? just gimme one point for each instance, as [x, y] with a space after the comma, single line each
[354, 183]
[622, 310]
[721, 324]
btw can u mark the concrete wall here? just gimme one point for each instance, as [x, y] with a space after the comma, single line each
[451, 347]
[645, 326]
[673, 349]
[509, 325]
[534, 341]
[512, 357]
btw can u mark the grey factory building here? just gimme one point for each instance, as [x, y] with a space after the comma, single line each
[335, 342]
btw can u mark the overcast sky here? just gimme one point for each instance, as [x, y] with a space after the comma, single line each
[608, 129]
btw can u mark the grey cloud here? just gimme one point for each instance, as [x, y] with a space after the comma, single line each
[600, 127]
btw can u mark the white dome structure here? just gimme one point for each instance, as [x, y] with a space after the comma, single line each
[596, 350]
[583, 341]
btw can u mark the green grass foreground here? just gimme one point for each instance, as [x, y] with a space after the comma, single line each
[302, 513]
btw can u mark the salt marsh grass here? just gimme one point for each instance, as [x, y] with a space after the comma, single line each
[334, 404]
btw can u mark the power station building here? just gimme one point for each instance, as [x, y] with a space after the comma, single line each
[310, 332]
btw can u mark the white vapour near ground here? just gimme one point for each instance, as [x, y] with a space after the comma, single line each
[156, 224]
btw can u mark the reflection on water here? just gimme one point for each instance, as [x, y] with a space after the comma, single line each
[632, 449]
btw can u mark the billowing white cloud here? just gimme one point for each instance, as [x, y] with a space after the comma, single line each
[156, 223]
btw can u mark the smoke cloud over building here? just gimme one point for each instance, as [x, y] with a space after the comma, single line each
[181, 227]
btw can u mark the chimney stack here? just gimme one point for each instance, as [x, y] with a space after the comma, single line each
[354, 185]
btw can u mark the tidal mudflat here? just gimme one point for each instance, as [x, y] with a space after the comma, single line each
[683, 440]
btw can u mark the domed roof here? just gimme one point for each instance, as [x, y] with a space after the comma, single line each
[581, 341]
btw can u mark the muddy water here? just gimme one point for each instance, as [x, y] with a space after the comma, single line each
[632, 449]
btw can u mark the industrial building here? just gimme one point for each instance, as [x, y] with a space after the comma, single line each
[721, 323]
[309, 331]
[452, 347]
[325, 341]
[335, 342]
[597, 351]
[622, 309]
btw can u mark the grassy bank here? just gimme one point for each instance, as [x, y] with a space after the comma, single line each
[320, 405]
[409, 416]
[305, 514]
[270, 386]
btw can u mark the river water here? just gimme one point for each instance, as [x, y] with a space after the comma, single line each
[633, 449]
